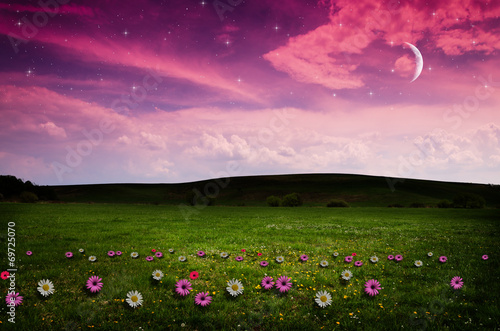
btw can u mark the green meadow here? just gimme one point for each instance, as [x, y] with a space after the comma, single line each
[411, 297]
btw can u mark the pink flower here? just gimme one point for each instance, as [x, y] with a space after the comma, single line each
[358, 263]
[201, 253]
[149, 258]
[390, 257]
[239, 258]
[13, 298]
[182, 287]
[267, 283]
[243, 250]
[259, 254]
[5, 275]
[284, 284]
[485, 257]
[348, 259]
[202, 299]
[264, 263]
[354, 254]
[372, 286]
[69, 255]
[153, 250]
[118, 253]
[304, 257]
[443, 259]
[456, 283]
[194, 274]
[94, 284]
[159, 254]
[111, 253]
[399, 258]
[29, 253]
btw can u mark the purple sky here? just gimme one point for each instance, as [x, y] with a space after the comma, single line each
[175, 91]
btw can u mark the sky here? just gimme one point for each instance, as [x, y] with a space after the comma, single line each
[178, 91]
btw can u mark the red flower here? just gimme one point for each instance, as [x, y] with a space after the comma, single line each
[354, 254]
[259, 254]
[243, 250]
[153, 250]
[194, 275]
[5, 275]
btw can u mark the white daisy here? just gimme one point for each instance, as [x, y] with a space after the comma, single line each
[429, 254]
[45, 287]
[81, 250]
[134, 255]
[323, 299]
[92, 258]
[182, 258]
[234, 287]
[336, 254]
[346, 274]
[224, 255]
[171, 250]
[374, 259]
[280, 259]
[157, 274]
[418, 263]
[324, 263]
[134, 299]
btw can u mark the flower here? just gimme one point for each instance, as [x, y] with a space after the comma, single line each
[5, 275]
[264, 263]
[348, 259]
[484, 257]
[374, 259]
[201, 253]
[267, 283]
[283, 284]
[13, 298]
[111, 253]
[134, 255]
[280, 259]
[346, 274]
[94, 284]
[443, 259]
[149, 258]
[118, 253]
[243, 250]
[92, 258]
[29, 253]
[159, 254]
[153, 250]
[182, 258]
[202, 299]
[418, 263]
[171, 250]
[358, 263]
[224, 255]
[304, 257]
[69, 255]
[45, 287]
[390, 257]
[234, 287]
[354, 254]
[398, 258]
[134, 299]
[323, 299]
[335, 254]
[324, 263]
[239, 258]
[157, 274]
[81, 250]
[194, 275]
[372, 286]
[182, 287]
[456, 283]
[259, 254]
[429, 254]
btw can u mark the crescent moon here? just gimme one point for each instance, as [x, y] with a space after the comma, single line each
[419, 60]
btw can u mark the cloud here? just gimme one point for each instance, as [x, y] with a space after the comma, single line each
[53, 129]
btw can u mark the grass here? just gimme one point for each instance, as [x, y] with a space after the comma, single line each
[411, 297]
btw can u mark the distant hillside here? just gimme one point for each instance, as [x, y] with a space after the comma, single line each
[315, 190]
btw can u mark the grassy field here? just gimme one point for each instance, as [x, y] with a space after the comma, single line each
[413, 298]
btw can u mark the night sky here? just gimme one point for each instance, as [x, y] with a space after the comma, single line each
[176, 91]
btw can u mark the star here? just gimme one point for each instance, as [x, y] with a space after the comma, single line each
[125, 33]
[29, 72]
[19, 23]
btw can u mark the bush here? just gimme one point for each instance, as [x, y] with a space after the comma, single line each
[291, 200]
[445, 204]
[28, 197]
[468, 200]
[417, 205]
[395, 205]
[194, 199]
[273, 201]
[337, 203]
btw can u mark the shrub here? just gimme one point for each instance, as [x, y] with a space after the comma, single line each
[337, 203]
[28, 197]
[417, 205]
[468, 200]
[291, 200]
[273, 201]
[445, 204]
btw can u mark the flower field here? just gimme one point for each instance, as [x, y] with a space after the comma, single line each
[144, 267]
